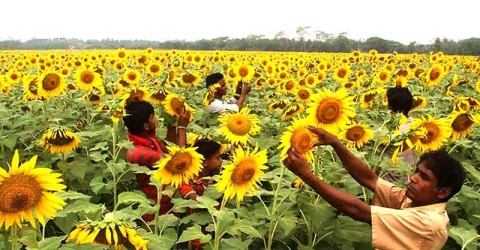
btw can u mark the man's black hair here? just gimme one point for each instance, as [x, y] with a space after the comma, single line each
[137, 114]
[213, 78]
[448, 171]
[400, 100]
[207, 147]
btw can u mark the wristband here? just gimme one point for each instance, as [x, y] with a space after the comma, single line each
[179, 127]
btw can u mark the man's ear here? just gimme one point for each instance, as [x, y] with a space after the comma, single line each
[146, 126]
[443, 192]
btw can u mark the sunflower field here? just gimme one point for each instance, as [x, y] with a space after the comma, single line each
[65, 182]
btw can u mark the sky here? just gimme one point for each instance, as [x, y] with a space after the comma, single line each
[404, 21]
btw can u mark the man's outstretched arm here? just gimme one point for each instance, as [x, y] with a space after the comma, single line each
[356, 168]
[342, 201]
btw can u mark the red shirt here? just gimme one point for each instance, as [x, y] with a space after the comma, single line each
[147, 152]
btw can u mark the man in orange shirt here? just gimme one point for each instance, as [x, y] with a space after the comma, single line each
[411, 218]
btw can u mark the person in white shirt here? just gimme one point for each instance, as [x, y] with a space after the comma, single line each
[218, 105]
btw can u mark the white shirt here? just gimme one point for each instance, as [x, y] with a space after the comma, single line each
[219, 106]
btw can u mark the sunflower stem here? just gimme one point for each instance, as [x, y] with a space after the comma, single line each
[272, 226]
[14, 237]
[157, 213]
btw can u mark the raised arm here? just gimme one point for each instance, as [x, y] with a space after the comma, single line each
[342, 201]
[243, 95]
[355, 167]
[182, 123]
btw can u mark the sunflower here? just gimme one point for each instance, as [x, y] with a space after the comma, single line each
[13, 77]
[59, 140]
[342, 73]
[303, 95]
[406, 142]
[136, 94]
[121, 54]
[26, 193]
[154, 69]
[291, 111]
[210, 95]
[321, 75]
[367, 99]
[383, 76]
[434, 75]
[110, 232]
[179, 166]
[132, 76]
[311, 80]
[331, 111]
[356, 134]
[278, 104]
[174, 104]
[244, 72]
[94, 96]
[30, 89]
[288, 86]
[269, 69]
[50, 84]
[243, 174]
[117, 114]
[400, 81]
[189, 79]
[238, 127]
[86, 79]
[4, 86]
[462, 123]
[298, 137]
[437, 132]
[158, 96]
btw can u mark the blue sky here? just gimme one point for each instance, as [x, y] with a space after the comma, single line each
[403, 21]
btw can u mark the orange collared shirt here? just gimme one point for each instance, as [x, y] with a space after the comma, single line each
[397, 225]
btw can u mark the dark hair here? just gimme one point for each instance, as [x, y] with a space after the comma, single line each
[400, 100]
[448, 171]
[213, 78]
[137, 114]
[207, 147]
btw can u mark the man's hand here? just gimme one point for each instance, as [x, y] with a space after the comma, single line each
[183, 118]
[324, 138]
[246, 88]
[296, 163]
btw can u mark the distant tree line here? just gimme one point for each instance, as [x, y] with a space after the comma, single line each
[322, 43]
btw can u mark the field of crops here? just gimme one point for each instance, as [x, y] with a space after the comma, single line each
[65, 182]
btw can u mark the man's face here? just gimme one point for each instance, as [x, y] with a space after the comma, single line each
[213, 163]
[222, 90]
[151, 124]
[422, 189]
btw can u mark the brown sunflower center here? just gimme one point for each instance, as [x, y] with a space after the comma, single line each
[462, 122]
[369, 97]
[303, 94]
[19, 192]
[32, 86]
[244, 171]
[179, 163]
[188, 78]
[433, 131]
[60, 140]
[132, 76]
[135, 95]
[86, 77]
[434, 74]
[328, 111]
[159, 95]
[290, 85]
[154, 68]
[383, 76]
[342, 73]
[239, 125]
[51, 81]
[355, 133]
[14, 76]
[301, 140]
[279, 105]
[177, 105]
[243, 71]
